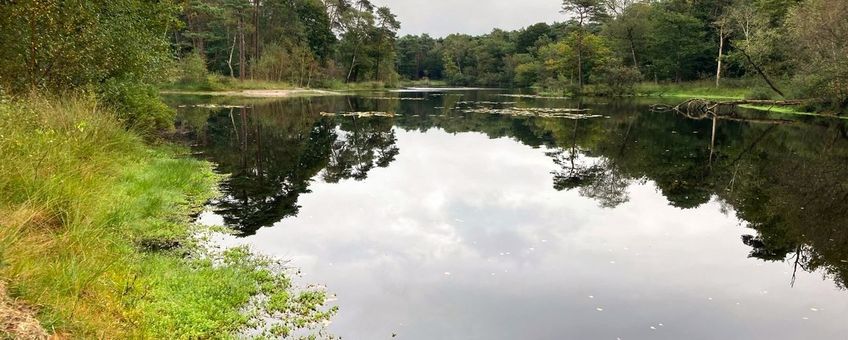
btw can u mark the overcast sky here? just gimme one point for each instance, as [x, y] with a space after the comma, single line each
[442, 17]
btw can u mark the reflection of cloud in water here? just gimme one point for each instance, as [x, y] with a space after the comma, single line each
[473, 207]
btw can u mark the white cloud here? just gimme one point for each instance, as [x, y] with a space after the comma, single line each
[440, 18]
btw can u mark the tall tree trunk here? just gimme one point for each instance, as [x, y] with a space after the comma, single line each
[232, 49]
[379, 57]
[241, 46]
[720, 53]
[418, 71]
[580, 56]
[255, 33]
[358, 22]
[632, 47]
[352, 65]
[580, 63]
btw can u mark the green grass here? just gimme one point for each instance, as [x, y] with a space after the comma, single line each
[95, 232]
[789, 111]
[729, 89]
[705, 89]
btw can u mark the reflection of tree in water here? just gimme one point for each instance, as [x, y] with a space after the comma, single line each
[609, 187]
[599, 180]
[271, 165]
[790, 184]
[572, 174]
[272, 159]
[796, 197]
[358, 147]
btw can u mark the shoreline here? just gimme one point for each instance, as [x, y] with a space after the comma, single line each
[261, 93]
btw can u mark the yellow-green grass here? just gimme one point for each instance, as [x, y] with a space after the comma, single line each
[729, 89]
[95, 232]
[789, 110]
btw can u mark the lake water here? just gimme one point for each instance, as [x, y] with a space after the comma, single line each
[447, 222]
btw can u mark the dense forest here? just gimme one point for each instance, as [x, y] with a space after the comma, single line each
[616, 43]
[304, 42]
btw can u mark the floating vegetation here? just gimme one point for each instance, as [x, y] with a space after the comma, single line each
[360, 114]
[538, 112]
[484, 103]
[530, 96]
[214, 106]
[398, 98]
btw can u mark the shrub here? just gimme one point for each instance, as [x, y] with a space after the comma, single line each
[137, 105]
[615, 79]
[193, 70]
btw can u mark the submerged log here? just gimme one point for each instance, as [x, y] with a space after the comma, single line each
[702, 108]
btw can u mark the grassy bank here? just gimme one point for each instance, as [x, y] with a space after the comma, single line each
[95, 234]
[729, 89]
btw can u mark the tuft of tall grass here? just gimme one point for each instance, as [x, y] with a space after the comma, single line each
[94, 230]
[61, 156]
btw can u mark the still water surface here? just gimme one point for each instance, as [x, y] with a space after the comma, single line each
[445, 224]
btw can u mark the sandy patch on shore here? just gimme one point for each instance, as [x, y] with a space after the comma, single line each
[17, 320]
[260, 93]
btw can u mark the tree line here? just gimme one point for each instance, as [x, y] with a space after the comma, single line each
[121, 48]
[612, 44]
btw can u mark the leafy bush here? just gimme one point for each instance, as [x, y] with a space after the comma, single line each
[61, 45]
[193, 70]
[819, 33]
[137, 105]
[615, 79]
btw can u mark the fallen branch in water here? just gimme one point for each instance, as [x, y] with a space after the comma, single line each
[702, 108]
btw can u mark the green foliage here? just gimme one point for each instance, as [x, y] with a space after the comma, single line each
[293, 64]
[820, 30]
[192, 70]
[678, 46]
[303, 42]
[419, 57]
[615, 79]
[59, 45]
[112, 47]
[137, 105]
